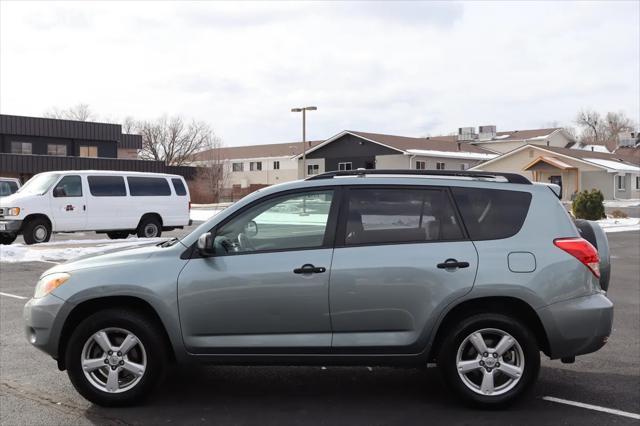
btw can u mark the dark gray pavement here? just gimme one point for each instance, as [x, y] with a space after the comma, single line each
[33, 391]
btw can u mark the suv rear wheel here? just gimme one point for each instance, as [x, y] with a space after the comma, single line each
[36, 231]
[115, 357]
[490, 359]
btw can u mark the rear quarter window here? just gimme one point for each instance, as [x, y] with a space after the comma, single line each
[107, 186]
[148, 186]
[178, 186]
[492, 214]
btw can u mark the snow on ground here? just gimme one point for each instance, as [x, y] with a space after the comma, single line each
[622, 203]
[620, 225]
[201, 215]
[60, 251]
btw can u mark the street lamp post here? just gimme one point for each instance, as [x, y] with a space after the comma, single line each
[304, 135]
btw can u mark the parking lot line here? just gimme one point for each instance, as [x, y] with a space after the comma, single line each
[15, 296]
[593, 407]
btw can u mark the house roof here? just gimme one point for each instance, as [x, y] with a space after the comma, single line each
[288, 149]
[551, 161]
[520, 135]
[402, 144]
[630, 153]
[610, 162]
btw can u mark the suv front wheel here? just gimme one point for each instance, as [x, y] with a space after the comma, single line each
[490, 359]
[115, 357]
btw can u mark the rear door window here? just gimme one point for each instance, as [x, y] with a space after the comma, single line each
[148, 186]
[492, 214]
[178, 186]
[107, 186]
[400, 215]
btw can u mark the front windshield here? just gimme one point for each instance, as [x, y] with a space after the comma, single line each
[39, 184]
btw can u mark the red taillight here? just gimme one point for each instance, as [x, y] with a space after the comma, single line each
[582, 250]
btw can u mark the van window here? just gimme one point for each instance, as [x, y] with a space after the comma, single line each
[178, 186]
[107, 186]
[69, 186]
[492, 214]
[379, 216]
[7, 187]
[148, 186]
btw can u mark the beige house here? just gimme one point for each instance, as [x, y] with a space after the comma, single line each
[617, 176]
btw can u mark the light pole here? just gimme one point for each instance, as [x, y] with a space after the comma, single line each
[304, 136]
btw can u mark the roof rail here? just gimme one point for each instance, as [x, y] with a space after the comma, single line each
[510, 177]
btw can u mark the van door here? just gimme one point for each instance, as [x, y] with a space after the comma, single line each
[400, 256]
[68, 204]
[108, 204]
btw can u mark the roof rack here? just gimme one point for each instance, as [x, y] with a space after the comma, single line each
[510, 177]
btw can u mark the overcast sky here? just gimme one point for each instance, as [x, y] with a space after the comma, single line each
[412, 69]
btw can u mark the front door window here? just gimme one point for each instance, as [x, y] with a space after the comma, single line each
[296, 221]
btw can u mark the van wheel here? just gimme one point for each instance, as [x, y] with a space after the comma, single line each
[150, 227]
[490, 360]
[115, 357]
[6, 239]
[118, 235]
[36, 231]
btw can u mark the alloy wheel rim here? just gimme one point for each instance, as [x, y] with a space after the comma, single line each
[40, 233]
[113, 360]
[490, 362]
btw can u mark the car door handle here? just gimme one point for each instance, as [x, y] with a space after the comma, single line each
[309, 269]
[452, 263]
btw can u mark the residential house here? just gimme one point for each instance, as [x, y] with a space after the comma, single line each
[616, 175]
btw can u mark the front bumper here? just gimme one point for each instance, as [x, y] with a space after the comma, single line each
[577, 326]
[43, 320]
[10, 226]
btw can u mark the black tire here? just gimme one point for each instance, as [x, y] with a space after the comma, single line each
[456, 335]
[147, 223]
[149, 335]
[118, 235]
[36, 231]
[6, 239]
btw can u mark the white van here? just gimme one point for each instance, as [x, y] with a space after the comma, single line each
[111, 202]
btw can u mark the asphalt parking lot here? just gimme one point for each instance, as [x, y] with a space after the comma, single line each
[33, 391]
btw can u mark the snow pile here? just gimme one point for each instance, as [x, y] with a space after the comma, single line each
[620, 225]
[622, 203]
[202, 215]
[60, 251]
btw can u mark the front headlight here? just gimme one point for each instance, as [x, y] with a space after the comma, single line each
[12, 211]
[48, 283]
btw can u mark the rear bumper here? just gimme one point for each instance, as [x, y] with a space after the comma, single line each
[8, 226]
[577, 326]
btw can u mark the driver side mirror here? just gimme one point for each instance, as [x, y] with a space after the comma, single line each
[205, 244]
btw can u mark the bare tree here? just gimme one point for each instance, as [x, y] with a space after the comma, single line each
[592, 125]
[173, 141]
[79, 112]
[211, 172]
[617, 122]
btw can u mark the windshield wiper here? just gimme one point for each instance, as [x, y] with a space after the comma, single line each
[168, 243]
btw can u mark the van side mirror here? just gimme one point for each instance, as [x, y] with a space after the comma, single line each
[205, 244]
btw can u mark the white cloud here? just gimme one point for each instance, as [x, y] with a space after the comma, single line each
[406, 68]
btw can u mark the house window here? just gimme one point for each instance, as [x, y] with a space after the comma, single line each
[638, 182]
[276, 165]
[56, 149]
[421, 165]
[237, 167]
[439, 166]
[255, 166]
[620, 182]
[313, 169]
[88, 151]
[21, 148]
[345, 166]
[464, 166]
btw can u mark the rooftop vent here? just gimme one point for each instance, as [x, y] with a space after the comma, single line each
[466, 134]
[486, 133]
